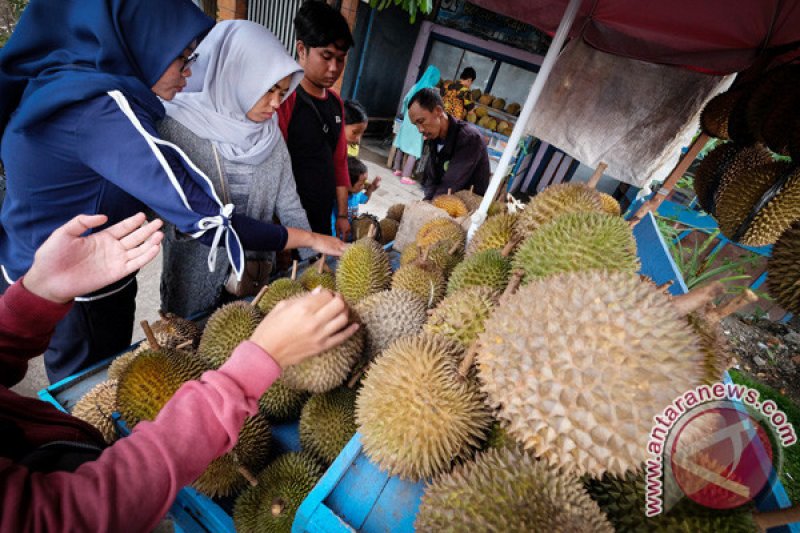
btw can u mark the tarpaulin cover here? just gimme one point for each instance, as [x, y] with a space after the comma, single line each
[720, 36]
[632, 115]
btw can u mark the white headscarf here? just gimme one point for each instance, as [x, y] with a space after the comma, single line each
[238, 62]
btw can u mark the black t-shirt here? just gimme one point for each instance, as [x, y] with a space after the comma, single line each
[312, 151]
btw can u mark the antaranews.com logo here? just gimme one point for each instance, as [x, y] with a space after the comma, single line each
[708, 444]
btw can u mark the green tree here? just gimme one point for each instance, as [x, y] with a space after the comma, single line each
[10, 10]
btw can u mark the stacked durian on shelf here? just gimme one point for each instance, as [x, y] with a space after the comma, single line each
[506, 372]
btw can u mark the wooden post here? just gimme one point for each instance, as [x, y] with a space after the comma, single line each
[598, 173]
[676, 174]
[781, 517]
[348, 9]
[231, 9]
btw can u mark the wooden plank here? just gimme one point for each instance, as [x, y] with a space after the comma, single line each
[357, 491]
[397, 507]
[657, 263]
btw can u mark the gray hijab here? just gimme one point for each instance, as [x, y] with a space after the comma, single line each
[239, 61]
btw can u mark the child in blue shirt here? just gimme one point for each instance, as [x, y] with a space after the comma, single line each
[359, 192]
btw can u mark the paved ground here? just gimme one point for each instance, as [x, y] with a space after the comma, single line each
[391, 191]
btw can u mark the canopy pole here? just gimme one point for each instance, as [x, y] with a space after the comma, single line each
[533, 96]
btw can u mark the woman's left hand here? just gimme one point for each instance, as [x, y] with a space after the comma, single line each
[326, 244]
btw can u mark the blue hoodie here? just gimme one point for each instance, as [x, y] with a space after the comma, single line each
[78, 119]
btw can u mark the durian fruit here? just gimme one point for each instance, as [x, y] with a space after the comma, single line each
[390, 315]
[279, 290]
[771, 105]
[502, 125]
[416, 413]
[452, 204]
[362, 224]
[472, 117]
[270, 506]
[710, 171]
[781, 120]
[507, 490]
[494, 234]
[622, 499]
[737, 200]
[507, 130]
[554, 201]
[171, 330]
[746, 159]
[713, 344]
[395, 212]
[565, 384]
[783, 279]
[97, 406]
[475, 94]
[121, 362]
[497, 207]
[481, 111]
[388, 230]
[470, 199]
[444, 256]
[327, 423]
[610, 204]
[498, 437]
[578, 241]
[251, 452]
[327, 370]
[460, 316]
[513, 109]
[484, 121]
[499, 103]
[441, 229]
[226, 328]
[719, 112]
[363, 270]
[423, 278]
[486, 99]
[316, 275]
[490, 268]
[151, 379]
[280, 402]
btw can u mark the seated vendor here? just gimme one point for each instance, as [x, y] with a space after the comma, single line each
[458, 157]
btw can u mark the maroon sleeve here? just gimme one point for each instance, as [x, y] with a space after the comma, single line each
[340, 155]
[27, 322]
[285, 115]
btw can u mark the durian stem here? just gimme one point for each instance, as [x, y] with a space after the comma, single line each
[424, 257]
[598, 173]
[184, 345]
[510, 245]
[697, 298]
[467, 362]
[453, 249]
[664, 287]
[151, 338]
[449, 192]
[472, 188]
[513, 284]
[261, 293]
[781, 517]
[247, 475]
[745, 298]
[321, 264]
[277, 507]
[356, 377]
[371, 232]
[294, 270]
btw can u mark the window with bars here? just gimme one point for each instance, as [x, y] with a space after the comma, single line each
[277, 17]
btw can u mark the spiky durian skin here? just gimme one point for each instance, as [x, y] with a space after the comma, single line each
[460, 316]
[441, 230]
[96, 407]
[777, 215]
[493, 234]
[327, 423]
[280, 403]
[554, 201]
[286, 481]
[454, 206]
[610, 204]
[327, 370]
[575, 242]
[714, 345]
[279, 290]
[171, 330]
[121, 362]
[716, 115]
[395, 212]
[709, 173]
[389, 229]
[498, 437]
[470, 199]
[744, 161]
[311, 278]
[783, 280]
[390, 315]
[363, 270]
[226, 328]
[222, 477]
[415, 412]
[151, 379]
[424, 280]
[488, 268]
[361, 226]
[442, 254]
[496, 208]
[507, 490]
[622, 499]
[565, 389]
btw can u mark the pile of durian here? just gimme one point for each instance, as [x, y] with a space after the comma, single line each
[750, 182]
[486, 105]
[517, 373]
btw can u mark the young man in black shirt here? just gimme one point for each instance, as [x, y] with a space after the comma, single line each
[312, 118]
[458, 158]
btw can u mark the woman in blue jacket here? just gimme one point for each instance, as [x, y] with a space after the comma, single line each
[81, 85]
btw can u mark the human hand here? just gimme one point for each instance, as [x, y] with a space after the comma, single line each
[374, 185]
[342, 228]
[325, 244]
[301, 327]
[67, 264]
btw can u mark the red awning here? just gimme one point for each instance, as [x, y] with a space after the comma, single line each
[719, 36]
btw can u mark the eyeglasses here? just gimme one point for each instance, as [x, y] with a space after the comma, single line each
[188, 62]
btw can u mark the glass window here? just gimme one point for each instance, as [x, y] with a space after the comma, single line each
[513, 83]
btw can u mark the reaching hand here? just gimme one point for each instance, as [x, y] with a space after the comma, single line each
[342, 228]
[301, 327]
[325, 244]
[67, 265]
[374, 185]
